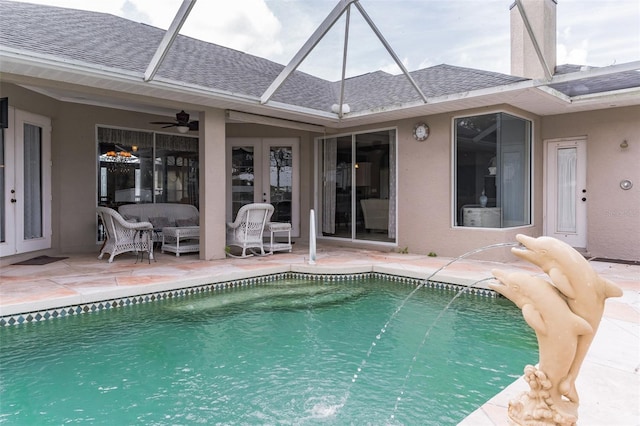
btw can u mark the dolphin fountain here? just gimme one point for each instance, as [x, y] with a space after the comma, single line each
[565, 314]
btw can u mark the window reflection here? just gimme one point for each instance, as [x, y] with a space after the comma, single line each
[493, 178]
[145, 167]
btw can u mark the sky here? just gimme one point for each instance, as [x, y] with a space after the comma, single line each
[423, 33]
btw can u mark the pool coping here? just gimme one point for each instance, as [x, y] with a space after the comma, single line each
[49, 309]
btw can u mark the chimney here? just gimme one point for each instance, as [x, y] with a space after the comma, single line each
[525, 61]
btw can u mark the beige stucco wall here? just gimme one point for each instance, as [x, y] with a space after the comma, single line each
[425, 193]
[74, 163]
[613, 214]
[424, 176]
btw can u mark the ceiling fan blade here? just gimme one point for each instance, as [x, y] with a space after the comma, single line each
[194, 125]
[163, 122]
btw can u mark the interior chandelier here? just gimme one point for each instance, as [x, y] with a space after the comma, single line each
[119, 161]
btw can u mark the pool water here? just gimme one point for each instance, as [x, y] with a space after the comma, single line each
[286, 352]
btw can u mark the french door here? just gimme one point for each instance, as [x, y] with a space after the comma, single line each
[566, 191]
[25, 183]
[265, 170]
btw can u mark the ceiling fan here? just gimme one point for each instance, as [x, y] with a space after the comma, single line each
[182, 123]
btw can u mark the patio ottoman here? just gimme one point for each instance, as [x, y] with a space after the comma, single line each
[183, 239]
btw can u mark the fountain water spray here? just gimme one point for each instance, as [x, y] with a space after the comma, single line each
[402, 304]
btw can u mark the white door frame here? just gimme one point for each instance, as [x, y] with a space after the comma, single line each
[14, 205]
[261, 149]
[576, 237]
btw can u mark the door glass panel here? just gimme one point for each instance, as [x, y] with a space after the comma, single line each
[358, 193]
[242, 177]
[566, 198]
[372, 189]
[32, 182]
[337, 188]
[281, 182]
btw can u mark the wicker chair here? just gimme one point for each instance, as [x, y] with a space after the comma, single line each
[123, 236]
[246, 231]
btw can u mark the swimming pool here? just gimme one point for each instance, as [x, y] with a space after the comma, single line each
[288, 352]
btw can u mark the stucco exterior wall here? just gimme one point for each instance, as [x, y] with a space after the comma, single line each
[613, 214]
[425, 193]
[425, 175]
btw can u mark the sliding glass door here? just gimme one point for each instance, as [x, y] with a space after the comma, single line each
[359, 186]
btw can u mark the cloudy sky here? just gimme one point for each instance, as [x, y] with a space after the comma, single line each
[468, 33]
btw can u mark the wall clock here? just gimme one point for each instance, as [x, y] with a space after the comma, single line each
[421, 131]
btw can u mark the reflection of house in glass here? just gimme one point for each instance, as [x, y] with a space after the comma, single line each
[140, 166]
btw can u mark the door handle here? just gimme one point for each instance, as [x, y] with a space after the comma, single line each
[13, 200]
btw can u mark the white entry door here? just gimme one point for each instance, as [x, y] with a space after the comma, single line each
[25, 183]
[566, 191]
[265, 170]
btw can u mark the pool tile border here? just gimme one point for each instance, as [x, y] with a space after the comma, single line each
[113, 303]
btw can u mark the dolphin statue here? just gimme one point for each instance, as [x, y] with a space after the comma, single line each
[557, 328]
[585, 291]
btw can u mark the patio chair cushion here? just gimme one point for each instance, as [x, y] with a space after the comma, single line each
[160, 222]
[156, 213]
[193, 221]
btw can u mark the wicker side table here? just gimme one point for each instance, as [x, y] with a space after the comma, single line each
[183, 239]
[278, 227]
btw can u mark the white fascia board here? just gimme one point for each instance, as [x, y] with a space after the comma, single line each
[199, 90]
[435, 101]
[554, 93]
[614, 95]
[595, 72]
[16, 58]
[15, 62]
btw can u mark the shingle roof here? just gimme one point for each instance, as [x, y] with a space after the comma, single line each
[606, 83]
[103, 40]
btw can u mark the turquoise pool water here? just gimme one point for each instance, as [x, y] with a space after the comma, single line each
[288, 352]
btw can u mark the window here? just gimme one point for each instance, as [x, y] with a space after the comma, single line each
[146, 167]
[359, 186]
[492, 171]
